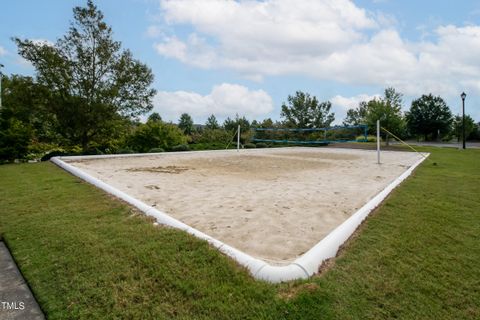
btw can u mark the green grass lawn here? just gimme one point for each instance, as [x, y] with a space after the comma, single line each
[87, 255]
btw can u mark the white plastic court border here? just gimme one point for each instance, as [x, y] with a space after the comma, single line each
[303, 267]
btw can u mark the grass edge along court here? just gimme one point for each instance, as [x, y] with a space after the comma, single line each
[87, 255]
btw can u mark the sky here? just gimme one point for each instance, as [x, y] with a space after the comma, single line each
[246, 57]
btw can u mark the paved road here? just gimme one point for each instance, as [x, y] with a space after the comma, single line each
[16, 299]
[441, 144]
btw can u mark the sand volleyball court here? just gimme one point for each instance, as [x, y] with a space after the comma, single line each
[273, 204]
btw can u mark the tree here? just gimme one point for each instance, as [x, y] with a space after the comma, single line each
[23, 122]
[393, 98]
[458, 126]
[94, 85]
[232, 124]
[356, 116]
[19, 97]
[267, 123]
[154, 117]
[212, 123]
[388, 110]
[429, 116]
[305, 111]
[24, 100]
[186, 123]
[475, 134]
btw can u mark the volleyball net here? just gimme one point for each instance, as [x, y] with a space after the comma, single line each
[313, 136]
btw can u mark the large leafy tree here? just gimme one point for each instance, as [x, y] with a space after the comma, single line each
[186, 123]
[95, 85]
[305, 111]
[388, 110]
[356, 116]
[428, 116]
[390, 118]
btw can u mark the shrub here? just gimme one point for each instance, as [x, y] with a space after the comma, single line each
[245, 136]
[261, 145]
[41, 148]
[156, 150]
[156, 135]
[54, 153]
[15, 137]
[181, 147]
[92, 151]
[212, 136]
[370, 138]
[125, 151]
[36, 150]
[249, 146]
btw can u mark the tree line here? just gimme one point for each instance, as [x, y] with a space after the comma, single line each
[88, 94]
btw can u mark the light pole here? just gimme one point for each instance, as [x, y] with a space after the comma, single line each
[1, 66]
[463, 96]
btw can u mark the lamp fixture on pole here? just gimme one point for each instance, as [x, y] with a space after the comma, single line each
[463, 96]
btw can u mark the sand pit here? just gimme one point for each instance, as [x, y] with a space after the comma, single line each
[273, 204]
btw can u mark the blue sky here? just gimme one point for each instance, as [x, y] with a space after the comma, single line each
[246, 57]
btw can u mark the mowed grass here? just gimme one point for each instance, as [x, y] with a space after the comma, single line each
[87, 255]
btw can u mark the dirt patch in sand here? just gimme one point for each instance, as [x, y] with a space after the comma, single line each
[160, 169]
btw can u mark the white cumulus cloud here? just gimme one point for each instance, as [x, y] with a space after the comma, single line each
[225, 100]
[3, 51]
[326, 39]
[250, 34]
[344, 103]
[194, 51]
